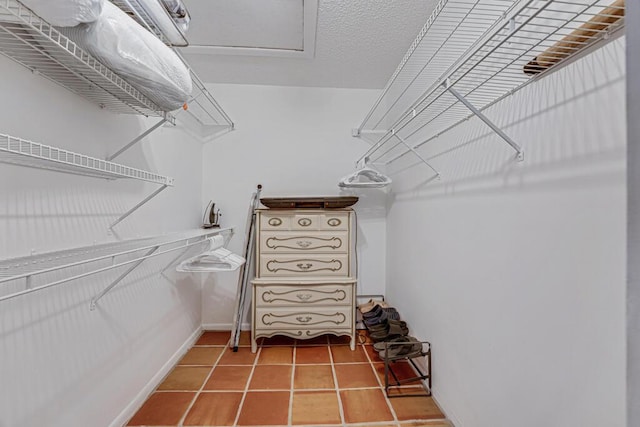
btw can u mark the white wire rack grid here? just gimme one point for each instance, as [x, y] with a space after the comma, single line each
[483, 68]
[65, 263]
[137, 11]
[203, 112]
[33, 43]
[31, 154]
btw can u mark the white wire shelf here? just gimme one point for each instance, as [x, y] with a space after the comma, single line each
[31, 154]
[471, 54]
[33, 43]
[98, 258]
[138, 11]
[203, 114]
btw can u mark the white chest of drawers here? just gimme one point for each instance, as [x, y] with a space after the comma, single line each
[304, 285]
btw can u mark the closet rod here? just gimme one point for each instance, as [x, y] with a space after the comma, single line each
[151, 252]
[136, 262]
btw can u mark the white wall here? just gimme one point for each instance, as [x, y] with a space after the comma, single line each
[516, 272]
[295, 142]
[61, 364]
[632, 12]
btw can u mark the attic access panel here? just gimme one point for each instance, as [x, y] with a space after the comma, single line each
[252, 27]
[265, 24]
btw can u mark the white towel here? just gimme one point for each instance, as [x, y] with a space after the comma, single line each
[66, 13]
[138, 56]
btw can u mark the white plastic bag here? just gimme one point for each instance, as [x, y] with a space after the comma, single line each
[66, 13]
[138, 56]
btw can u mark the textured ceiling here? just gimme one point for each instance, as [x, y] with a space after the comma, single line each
[359, 43]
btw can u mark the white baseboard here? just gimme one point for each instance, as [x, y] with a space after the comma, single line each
[224, 326]
[137, 402]
[422, 364]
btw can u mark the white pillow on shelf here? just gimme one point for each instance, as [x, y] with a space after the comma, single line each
[137, 55]
[66, 13]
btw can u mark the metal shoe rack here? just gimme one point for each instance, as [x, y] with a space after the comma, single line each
[470, 55]
[425, 352]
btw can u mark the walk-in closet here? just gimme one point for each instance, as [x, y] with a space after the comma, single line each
[368, 213]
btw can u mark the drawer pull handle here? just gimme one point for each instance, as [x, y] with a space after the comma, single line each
[275, 222]
[304, 222]
[334, 222]
[270, 319]
[310, 242]
[295, 266]
[335, 295]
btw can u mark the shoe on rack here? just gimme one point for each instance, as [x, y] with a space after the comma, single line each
[381, 345]
[385, 324]
[374, 312]
[392, 313]
[393, 330]
[381, 318]
[401, 349]
[371, 304]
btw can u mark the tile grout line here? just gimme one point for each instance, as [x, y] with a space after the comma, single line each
[193, 401]
[384, 394]
[335, 384]
[293, 373]
[246, 388]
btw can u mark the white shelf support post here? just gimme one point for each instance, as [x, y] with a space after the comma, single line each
[136, 207]
[414, 151]
[485, 119]
[94, 300]
[139, 138]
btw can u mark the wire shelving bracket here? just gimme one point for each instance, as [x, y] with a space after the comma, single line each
[470, 55]
[415, 152]
[166, 119]
[60, 262]
[485, 119]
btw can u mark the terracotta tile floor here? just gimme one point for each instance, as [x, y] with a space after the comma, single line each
[318, 382]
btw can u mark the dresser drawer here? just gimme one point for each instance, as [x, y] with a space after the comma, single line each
[320, 221]
[311, 318]
[319, 241]
[274, 221]
[303, 296]
[335, 221]
[301, 220]
[298, 265]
